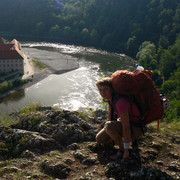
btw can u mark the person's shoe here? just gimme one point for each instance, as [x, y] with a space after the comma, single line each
[118, 155]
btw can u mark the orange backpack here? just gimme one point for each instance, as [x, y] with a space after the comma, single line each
[139, 86]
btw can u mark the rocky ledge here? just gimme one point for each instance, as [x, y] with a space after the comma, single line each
[59, 144]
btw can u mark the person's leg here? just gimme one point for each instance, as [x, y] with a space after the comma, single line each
[114, 130]
[102, 137]
[136, 132]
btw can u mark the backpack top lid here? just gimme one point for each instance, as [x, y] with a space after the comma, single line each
[126, 82]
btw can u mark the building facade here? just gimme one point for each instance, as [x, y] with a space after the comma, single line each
[11, 57]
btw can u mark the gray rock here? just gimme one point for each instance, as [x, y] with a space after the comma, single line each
[44, 108]
[156, 146]
[69, 161]
[80, 156]
[89, 161]
[58, 170]
[31, 140]
[86, 126]
[27, 154]
[73, 146]
[173, 168]
[175, 156]
[101, 113]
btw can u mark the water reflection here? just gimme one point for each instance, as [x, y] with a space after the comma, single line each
[13, 97]
[72, 90]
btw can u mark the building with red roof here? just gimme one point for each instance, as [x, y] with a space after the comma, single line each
[11, 57]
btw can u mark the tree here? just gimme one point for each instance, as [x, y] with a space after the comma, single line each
[167, 64]
[85, 36]
[163, 42]
[145, 55]
[40, 28]
[94, 36]
[55, 31]
[131, 45]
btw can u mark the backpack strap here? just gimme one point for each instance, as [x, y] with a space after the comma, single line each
[115, 98]
[140, 123]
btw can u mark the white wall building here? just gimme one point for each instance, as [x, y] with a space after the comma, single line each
[11, 57]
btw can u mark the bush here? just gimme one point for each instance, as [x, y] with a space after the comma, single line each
[178, 108]
[173, 113]
[169, 86]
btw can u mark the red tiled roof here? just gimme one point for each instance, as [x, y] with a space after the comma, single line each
[11, 51]
[6, 47]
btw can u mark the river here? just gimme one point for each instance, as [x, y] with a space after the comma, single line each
[73, 90]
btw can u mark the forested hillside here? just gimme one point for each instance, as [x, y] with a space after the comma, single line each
[118, 25]
[144, 29]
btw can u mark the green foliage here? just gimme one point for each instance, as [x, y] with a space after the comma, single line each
[169, 86]
[112, 25]
[5, 120]
[38, 64]
[8, 85]
[171, 127]
[170, 59]
[164, 62]
[167, 64]
[5, 86]
[157, 79]
[27, 110]
[173, 113]
[19, 82]
[163, 42]
[145, 55]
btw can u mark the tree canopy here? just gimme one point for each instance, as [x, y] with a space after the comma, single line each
[118, 25]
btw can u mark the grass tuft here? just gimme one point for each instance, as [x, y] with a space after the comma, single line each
[38, 64]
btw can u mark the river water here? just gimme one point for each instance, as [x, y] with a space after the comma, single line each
[72, 90]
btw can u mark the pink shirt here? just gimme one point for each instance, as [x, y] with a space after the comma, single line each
[124, 105]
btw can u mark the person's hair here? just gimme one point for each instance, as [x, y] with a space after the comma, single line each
[104, 82]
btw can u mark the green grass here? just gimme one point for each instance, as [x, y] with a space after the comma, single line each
[27, 110]
[38, 64]
[164, 127]
[5, 120]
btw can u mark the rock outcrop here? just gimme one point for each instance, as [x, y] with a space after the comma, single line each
[59, 144]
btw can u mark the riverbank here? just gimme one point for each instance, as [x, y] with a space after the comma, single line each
[55, 63]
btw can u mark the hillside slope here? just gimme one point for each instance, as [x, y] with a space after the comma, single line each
[50, 144]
